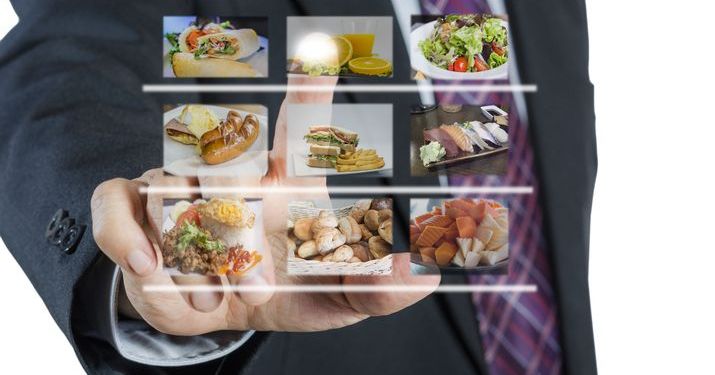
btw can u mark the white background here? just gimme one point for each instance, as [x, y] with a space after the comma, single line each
[652, 244]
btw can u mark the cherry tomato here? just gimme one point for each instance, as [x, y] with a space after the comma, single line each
[479, 64]
[460, 64]
[451, 66]
[190, 215]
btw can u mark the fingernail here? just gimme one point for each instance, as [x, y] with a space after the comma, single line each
[140, 263]
[205, 302]
[258, 297]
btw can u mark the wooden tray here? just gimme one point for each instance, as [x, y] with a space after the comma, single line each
[466, 157]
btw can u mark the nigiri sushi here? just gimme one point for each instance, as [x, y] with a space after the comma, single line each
[461, 139]
[497, 132]
[470, 129]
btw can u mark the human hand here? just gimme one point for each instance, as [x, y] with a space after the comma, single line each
[118, 204]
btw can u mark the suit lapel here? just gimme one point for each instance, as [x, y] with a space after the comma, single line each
[562, 111]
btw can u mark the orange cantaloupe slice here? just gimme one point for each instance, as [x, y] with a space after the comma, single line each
[444, 253]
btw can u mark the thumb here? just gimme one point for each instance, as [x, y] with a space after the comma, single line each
[117, 217]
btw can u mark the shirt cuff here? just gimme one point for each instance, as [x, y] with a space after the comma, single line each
[137, 341]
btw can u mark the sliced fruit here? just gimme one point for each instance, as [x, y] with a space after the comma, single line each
[371, 66]
[344, 48]
[444, 253]
[427, 251]
[430, 235]
[441, 221]
[466, 226]
[455, 212]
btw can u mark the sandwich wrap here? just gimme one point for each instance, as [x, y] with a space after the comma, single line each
[186, 65]
[230, 45]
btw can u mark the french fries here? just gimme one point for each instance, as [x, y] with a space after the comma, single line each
[360, 160]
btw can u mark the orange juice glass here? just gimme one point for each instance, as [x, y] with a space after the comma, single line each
[362, 44]
[360, 31]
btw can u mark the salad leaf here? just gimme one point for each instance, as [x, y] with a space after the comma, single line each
[467, 41]
[321, 137]
[496, 60]
[173, 39]
[226, 25]
[192, 234]
[436, 51]
[494, 32]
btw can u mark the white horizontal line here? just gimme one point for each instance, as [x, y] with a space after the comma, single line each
[372, 190]
[271, 88]
[338, 288]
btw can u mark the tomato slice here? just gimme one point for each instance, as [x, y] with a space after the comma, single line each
[190, 215]
[479, 64]
[498, 50]
[460, 64]
[192, 38]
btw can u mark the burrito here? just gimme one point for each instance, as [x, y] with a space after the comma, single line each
[186, 65]
[230, 45]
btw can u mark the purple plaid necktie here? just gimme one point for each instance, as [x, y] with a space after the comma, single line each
[519, 330]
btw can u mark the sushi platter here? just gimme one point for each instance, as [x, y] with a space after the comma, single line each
[442, 143]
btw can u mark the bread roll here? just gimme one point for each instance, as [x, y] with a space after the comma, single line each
[329, 239]
[350, 228]
[366, 234]
[372, 220]
[325, 220]
[302, 229]
[385, 231]
[379, 248]
[342, 254]
[381, 204]
[358, 214]
[308, 249]
[361, 251]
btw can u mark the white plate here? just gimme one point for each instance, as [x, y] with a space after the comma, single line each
[182, 160]
[258, 60]
[421, 64]
[255, 242]
[303, 170]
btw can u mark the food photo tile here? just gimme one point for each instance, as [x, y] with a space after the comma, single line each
[339, 140]
[459, 47]
[456, 139]
[229, 140]
[340, 46]
[340, 236]
[215, 47]
[459, 235]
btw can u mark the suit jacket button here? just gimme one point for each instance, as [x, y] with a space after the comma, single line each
[62, 228]
[60, 215]
[71, 238]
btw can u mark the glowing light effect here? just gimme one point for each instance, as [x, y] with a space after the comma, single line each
[317, 48]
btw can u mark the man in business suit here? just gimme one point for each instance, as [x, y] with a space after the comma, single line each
[74, 117]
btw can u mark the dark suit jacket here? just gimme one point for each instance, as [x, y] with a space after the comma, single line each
[73, 115]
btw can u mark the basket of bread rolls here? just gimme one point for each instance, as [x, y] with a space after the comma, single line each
[352, 240]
